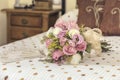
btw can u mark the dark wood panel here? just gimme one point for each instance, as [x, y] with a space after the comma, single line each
[26, 20]
[111, 19]
[53, 18]
[20, 33]
[88, 14]
[63, 6]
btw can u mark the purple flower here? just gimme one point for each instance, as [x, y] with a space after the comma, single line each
[69, 50]
[57, 54]
[61, 24]
[81, 47]
[77, 38]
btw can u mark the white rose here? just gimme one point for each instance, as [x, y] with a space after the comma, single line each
[49, 31]
[73, 32]
[75, 59]
[56, 31]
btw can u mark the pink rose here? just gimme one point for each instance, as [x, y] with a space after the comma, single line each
[81, 47]
[72, 25]
[71, 43]
[77, 38]
[48, 42]
[62, 41]
[61, 34]
[69, 50]
[66, 24]
[61, 24]
[57, 54]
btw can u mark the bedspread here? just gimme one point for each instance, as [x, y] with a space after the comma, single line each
[106, 67]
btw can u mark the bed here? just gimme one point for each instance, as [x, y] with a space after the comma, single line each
[20, 67]
[106, 67]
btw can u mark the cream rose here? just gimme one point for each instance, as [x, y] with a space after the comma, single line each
[75, 59]
[56, 31]
[72, 32]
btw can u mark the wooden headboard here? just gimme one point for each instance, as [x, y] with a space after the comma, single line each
[104, 14]
[87, 12]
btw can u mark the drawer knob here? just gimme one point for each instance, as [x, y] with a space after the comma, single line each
[24, 21]
[24, 35]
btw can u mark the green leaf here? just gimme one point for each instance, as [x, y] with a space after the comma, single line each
[81, 54]
[88, 49]
[105, 46]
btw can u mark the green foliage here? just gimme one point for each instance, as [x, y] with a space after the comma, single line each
[55, 42]
[67, 36]
[105, 46]
[51, 35]
[43, 40]
[81, 54]
[88, 49]
[81, 28]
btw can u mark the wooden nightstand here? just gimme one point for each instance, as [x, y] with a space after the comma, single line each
[23, 23]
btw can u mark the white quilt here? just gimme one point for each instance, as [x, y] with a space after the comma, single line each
[106, 67]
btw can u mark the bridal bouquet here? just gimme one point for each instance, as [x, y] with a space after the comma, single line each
[67, 42]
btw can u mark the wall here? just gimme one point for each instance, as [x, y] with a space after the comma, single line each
[70, 5]
[28, 2]
[3, 29]
[12, 2]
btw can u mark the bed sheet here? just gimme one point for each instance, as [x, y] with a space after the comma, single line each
[106, 67]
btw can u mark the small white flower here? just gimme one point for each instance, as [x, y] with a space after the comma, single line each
[56, 31]
[72, 32]
[75, 59]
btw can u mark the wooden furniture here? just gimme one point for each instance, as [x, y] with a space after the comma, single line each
[23, 23]
[63, 6]
[43, 4]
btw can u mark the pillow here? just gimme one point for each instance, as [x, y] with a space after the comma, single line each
[87, 12]
[111, 18]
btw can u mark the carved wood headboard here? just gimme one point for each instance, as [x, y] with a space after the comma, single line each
[88, 14]
[104, 14]
[111, 18]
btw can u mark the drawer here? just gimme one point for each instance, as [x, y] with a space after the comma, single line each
[26, 20]
[20, 32]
